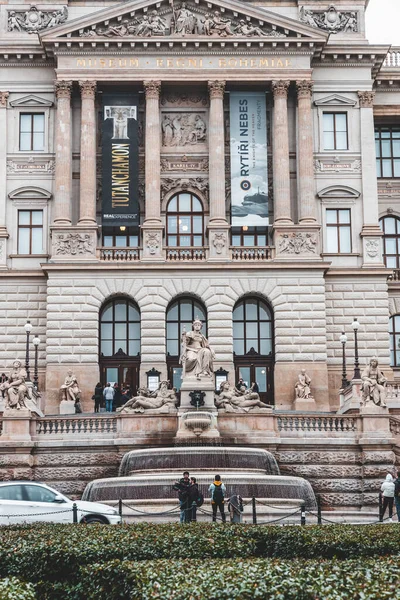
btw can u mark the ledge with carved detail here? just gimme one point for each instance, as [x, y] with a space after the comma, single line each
[187, 254]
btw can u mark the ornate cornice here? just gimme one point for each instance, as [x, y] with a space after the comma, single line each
[88, 89]
[304, 88]
[63, 89]
[366, 99]
[3, 99]
[152, 89]
[280, 88]
[216, 89]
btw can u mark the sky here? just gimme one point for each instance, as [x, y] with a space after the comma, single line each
[383, 22]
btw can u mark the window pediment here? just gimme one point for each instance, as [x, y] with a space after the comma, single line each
[335, 100]
[31, 101]
[338, 191]
[30, 193]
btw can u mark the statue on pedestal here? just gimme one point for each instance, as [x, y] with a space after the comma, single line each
[16, 390]
[70, 388]
[234, 400]
[197, 356]
[374, 384]
[161, 400]
[303, 386]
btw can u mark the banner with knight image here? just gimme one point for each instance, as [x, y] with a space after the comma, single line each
[120, 160]
[249, 171]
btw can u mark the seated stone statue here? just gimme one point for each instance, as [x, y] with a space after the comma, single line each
[374, 384]
[197, 356]
[70, 389]
[161, 400]
[234, 400]
[302, 388]
[16, 390]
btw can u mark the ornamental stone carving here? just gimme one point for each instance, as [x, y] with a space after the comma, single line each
[31, 166]
[280, 88]
[183, 99]
[3, 99]
[219, 242]
[152, 89]
[238, 401]
[153, 242]
[88, 89]
[302, 387]
[73, 244]
[197, 183]
[216, 89]
[184, 163]
[373, 384]
[35, 20]
[184, 21]
[330, 19]
[70, 388]
[63, 89]
[183, 129]
[372, 248]
[304, 88]
[162, 400]
[366, 99]
[297, 243]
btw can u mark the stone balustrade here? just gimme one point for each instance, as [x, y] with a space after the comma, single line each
[251, 254]
[76, 424]
[120, 254]
[185, 254]
[392, 58]
[317, 424]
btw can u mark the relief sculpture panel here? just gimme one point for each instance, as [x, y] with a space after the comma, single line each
[183, 129]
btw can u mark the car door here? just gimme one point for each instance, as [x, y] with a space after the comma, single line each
[13, 505]
[43, 507]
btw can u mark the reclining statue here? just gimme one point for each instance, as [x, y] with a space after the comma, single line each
[161, 400]
[234, 400]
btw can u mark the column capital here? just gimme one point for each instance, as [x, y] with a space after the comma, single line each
[152, 89]
[88, 89]
[304, 88]
[280, 88]
[3, 99]
[366, 99]
[216, 88]
[63, 89]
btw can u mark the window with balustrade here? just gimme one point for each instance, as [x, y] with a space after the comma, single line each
[394, 334]
[180, 315]
[253, 345]
[387, 146]
[185, 221]
[391, 241]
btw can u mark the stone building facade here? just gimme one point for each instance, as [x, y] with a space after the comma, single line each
[322, 259]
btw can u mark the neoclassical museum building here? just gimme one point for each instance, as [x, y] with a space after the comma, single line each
[238, 162]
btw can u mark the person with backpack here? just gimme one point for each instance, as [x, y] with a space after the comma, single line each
[196, 499]
[387, 489]
[217, 491]
[182, 487]
[397, 494]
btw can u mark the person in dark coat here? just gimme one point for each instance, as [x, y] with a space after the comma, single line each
[193, 494]
[117, 401]
[98, 397]
[255, 388]
[240, 384]
[182, 487]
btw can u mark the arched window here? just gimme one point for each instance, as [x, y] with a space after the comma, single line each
[120, 342]
[391, 241]
[394, 333]
[181, 314]
[253, 345]
[185, 221]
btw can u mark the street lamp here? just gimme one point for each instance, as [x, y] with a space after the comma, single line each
[356, 325]
[36, 342]
[28, 329]
[343, 341]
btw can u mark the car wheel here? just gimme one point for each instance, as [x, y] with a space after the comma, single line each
[91, 519]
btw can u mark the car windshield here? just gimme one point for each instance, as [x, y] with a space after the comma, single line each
[37, 493]
[11, 492]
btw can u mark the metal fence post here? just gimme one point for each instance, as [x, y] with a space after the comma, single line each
[253, 502]
[120, 507]
[74, 513]
[319, 510]
[303, 515]
[380, 508]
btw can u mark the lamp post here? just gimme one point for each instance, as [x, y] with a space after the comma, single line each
[36, 342]
[343, 341]
[28, 329]
[356, 325]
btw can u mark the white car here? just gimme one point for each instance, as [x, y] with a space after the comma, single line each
[31, 502]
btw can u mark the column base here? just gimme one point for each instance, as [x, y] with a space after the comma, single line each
[73, 244]
[152, 250]
[300, 241]
[219, 243]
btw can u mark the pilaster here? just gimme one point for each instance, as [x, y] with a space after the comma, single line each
[3, 175]
[63, 155]
[305, 155]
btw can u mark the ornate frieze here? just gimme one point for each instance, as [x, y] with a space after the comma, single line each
[198, 183]
[73, 244]
[175, 99]
[330, 19]
[298, 242]
[183, 129]
[366, 99]
[35, 20]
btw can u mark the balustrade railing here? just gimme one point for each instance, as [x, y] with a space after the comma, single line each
[322, 424]
[79, 425]
[119, 254]
[394, 275]
[251, 254]
[394, 425]
[392, 58]
[183, 254]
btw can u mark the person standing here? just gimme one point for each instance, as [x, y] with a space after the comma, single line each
[235, 508]
[240, 384]
[217, 490]
[182, 487]
[98, 396]
[397, 494]
[117, 401]
[387, 489]
[108, 394]
[194, 495]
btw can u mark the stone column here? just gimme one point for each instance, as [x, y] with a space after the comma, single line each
[305, 155]
[63, 155]
[280, 138]
[152, 226]
[218, 226]
[87, 200]
[3, 175]
[371, 233]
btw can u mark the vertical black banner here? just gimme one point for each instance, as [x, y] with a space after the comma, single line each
[120, 161]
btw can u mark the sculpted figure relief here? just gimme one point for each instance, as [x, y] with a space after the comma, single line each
[185, 21]
[70, 388]
[374, 384]
[183, 129]
[234, 400]
[197, 356]
[162, 400]
[16, 390]
[303, 386]
[330, 20]
[34, 20]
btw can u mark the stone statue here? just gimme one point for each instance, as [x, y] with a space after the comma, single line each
[233, 400]
[161, 400]
[15, 388]
[250, 30]
[302, 388]
[330, 20]
[218, 25]
[186, 22]
[197, 356]
[34, 20]
[374, 384]
[70, 389]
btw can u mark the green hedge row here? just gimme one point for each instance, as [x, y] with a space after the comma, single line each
[12, 588]
[56, 552]
[233, 579]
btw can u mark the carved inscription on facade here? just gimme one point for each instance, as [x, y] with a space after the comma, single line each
[243, 63]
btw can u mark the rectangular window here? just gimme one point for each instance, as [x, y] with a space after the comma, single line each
[387, 145]
[335, 131]
[338, 230]
[30, 232]
[31, 132]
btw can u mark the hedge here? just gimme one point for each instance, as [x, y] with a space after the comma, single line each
[12, 588]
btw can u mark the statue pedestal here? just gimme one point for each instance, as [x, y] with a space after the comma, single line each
[192, 384]
[16, 424]
[67, 407]
[375, 423]
[306, 404]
